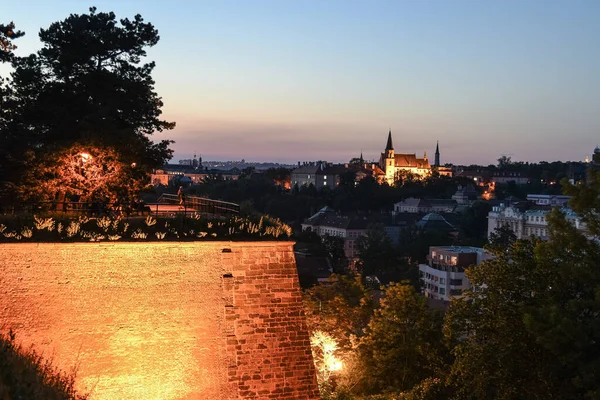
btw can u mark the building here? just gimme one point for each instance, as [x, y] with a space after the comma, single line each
[436, 222]
[188, 174]
[443, 277]
[548, 199]
[509, 176]
[413, 205]
[526, 223]
[321, 174]
[393, 163]
[326, 222]
[465, 195]
[483, 177]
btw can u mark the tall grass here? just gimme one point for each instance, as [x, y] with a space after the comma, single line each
[26, 374]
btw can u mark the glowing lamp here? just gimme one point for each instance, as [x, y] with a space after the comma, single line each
[85, 157]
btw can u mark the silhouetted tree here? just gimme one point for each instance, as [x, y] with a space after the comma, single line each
[87, 86]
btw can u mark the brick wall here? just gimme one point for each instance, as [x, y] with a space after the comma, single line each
[203, 320]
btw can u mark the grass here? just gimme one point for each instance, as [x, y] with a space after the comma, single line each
[25, 374]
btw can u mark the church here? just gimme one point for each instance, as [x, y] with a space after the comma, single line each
[392, 163]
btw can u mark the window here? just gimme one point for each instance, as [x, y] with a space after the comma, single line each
[324, 183]
[456, 282]
[325, 177]
[455, 292]
[442, 281]
[308, 176]
[442, 291]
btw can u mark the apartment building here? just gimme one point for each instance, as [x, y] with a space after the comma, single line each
[443, 277]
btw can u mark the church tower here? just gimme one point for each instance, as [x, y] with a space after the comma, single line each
[389, 166]
[437, 155]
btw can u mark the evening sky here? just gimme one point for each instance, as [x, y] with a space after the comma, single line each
[287, 80]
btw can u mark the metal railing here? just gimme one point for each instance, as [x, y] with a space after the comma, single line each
[167, 205]
[202, 205]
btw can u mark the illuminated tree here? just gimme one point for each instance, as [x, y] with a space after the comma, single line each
[341, 308]
[86, 85]
[83, 173]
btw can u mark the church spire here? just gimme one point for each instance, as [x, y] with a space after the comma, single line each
[389, 142]
[437, 154]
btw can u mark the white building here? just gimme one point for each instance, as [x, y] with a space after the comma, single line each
[327, 223]
[526, 223]
[413, 205]
[549, 199]
[444, 276]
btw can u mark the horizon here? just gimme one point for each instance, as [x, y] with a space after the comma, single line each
[283, 82]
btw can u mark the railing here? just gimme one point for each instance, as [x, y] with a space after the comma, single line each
[201, 205]
[167, 205]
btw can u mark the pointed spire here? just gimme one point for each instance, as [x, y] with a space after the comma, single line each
[437, 147]
[389, 141]
[425, 155]
[362, 160]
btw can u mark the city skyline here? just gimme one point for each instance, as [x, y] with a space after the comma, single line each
[292, 81]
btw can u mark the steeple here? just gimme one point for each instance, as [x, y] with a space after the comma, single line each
[389, 142]
[362, 160]
[437, 154]
[425, 155]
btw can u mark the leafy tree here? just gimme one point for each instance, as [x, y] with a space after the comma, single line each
[342, 308]
[533, 332]
[473, 222]
[334, 248]
[501, 239]
[7, 35]
[86, 174]
[378, 257]
[404, 343]
[414, 242]
[504, 162]
[87, 86]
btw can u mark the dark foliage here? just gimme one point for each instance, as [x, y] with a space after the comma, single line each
[24, 374]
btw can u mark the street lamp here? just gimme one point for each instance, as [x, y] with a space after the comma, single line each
[85, 157]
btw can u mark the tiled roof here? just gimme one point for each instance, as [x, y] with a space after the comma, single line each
[410, 160]
[434, 221]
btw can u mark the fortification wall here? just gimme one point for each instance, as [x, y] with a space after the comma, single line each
[164, 320]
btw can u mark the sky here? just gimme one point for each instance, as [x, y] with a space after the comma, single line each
[302, 80]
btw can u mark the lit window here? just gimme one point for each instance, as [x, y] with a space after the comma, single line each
[308, 176]
[325, 177]
[324, 183]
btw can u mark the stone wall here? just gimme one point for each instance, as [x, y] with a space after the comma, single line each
[163, 320]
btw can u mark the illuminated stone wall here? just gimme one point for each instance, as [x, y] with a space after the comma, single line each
[194, 320]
